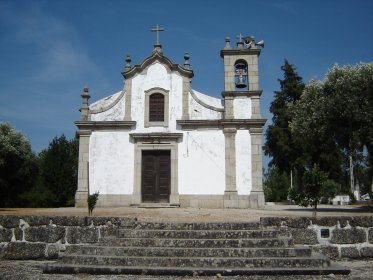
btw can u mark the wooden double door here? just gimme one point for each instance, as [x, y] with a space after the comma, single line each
[156, 176]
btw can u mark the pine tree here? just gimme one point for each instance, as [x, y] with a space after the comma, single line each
[59, 169]
[280, 144]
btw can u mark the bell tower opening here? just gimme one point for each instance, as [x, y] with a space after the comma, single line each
[240, 70]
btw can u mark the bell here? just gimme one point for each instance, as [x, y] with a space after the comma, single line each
[241, 75]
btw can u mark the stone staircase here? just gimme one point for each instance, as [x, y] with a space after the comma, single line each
[194, 249]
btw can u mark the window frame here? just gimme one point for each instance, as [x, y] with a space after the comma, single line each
[148, 93]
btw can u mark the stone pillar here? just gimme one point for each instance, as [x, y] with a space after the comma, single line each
[255, 107]
[82, 192]
[229, 84]
[185, 100]
[228, 107]
[128, 100]
[253, 72]
[84, 109]
[256, 195]
[230, 194]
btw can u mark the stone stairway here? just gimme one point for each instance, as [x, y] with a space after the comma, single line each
[194, 249]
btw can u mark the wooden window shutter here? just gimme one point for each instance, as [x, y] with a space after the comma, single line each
[156, 107]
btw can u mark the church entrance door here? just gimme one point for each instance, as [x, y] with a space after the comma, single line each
[156, 176]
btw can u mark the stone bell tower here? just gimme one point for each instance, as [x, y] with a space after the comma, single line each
[242, 110]
[241, 74]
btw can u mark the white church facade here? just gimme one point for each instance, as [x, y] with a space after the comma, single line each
[159, 142]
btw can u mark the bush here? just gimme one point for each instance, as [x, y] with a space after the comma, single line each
[92, 200]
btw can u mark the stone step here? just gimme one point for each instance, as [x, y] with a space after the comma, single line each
[198, 226]
[299, 251]
[200, 234]
[198, 262]
[197, 243]
[190, 271]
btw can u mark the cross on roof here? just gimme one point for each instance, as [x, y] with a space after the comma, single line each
[157, 29]
[239, 37]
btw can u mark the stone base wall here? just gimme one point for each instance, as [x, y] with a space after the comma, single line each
[227, 200]
[44, 237]
[255, 200]
[336, 237]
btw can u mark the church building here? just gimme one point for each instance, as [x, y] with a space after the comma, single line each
[160, 143]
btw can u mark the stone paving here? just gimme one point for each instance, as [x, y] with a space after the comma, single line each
[31, 270]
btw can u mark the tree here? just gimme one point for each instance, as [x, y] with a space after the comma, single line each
[59, 170]
[334, 121]
[309, 127]
[276, 185]
[18, 168]
[316, 186]
[280, 144]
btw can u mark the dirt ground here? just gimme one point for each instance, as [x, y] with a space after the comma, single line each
[193, 214]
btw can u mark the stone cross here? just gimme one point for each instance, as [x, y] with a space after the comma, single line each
[239, 37]
[157, 29]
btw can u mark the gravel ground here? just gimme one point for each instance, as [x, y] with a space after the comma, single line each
[32, 270]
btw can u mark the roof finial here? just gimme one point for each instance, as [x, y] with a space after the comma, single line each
[128, 63]
[240, 41]
[186, 61]
[157, 46]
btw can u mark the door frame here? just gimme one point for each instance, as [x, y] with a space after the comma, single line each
[156, 141]
[156, 168]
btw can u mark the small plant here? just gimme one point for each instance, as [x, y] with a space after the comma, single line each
[92, 200]
[316, 187]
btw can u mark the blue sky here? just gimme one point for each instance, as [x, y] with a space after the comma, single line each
[50, 49]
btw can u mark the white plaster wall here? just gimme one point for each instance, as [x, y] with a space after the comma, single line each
[199, 112]
[243, 162]
[202, 163]
[209, 100]
[242, 108]
[111, 163]
[116, 113]
[156, 75]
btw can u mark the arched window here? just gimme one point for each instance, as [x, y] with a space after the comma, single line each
[156, 107]
[240, 69]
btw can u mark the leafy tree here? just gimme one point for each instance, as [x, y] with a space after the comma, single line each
[276, 185]
[280, 144]
[59, 170]
[309, 127]
[334, 121]
[316, 186]
[18, 168]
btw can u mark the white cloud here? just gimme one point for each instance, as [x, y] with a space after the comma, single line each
[59, 52]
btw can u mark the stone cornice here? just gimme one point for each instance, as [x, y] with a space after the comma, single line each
[161, 58]
[247, 93]
[156, 137]
[104, 125]
[221, 124]
[240, 52]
